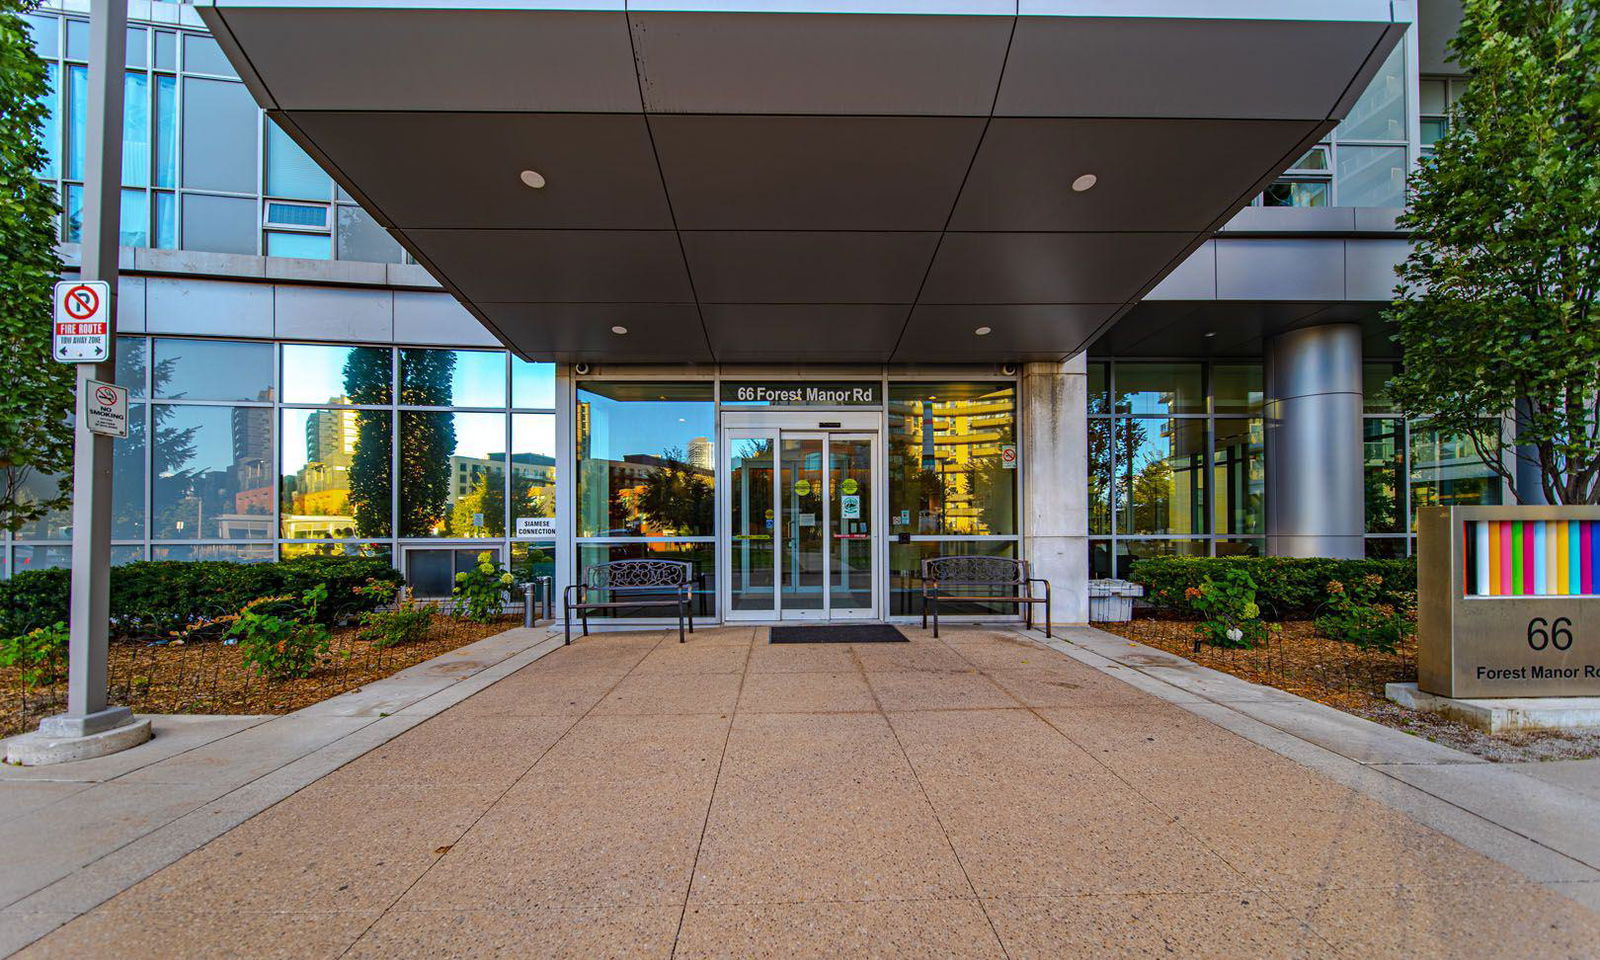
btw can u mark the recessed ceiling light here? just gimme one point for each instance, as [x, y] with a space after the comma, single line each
[983, 331]
[1084, 182]
[619, 330]
[533, 178]
[1211, 333]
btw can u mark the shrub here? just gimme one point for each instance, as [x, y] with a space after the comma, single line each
[1287, 588]
[481, 593]
[406, 622]
[1232, 616]
[160, 598]
[280, 636]
[41, 653]
[1355, 615]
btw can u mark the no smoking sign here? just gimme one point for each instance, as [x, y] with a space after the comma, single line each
[82, 321]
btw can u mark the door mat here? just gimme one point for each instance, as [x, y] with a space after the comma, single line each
[840, 633]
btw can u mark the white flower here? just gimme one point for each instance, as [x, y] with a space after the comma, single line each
[1235, 634]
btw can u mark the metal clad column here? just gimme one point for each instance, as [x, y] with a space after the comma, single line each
[1055, 482]
[1315, 504]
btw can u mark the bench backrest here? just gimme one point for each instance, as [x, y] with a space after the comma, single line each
[975, 571]
[638, 575]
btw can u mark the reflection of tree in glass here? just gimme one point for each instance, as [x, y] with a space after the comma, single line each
[486, 497]
[676, 498]
[426, 380]
[174, 447]
[366, 380]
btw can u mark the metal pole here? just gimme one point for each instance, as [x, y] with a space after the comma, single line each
[87, 712]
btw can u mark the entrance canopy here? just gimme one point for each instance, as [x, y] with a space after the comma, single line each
[862, 181]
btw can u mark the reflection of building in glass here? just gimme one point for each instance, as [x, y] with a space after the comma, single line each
[318, 494]
[954, 448]
[700, 454]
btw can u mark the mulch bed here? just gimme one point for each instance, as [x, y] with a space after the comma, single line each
[212, 678]
[1348, 678]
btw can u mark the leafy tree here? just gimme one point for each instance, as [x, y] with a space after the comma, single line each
[1496, 306]
[35, 434]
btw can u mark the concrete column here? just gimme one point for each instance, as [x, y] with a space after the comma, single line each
[1315, 503]
[1055, 482]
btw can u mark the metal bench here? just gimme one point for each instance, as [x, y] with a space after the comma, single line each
[632, 583]
[995, 575]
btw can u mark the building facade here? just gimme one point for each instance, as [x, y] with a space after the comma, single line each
[302, 385]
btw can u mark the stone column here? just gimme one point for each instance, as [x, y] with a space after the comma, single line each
[1315, 502]
[1055, 482]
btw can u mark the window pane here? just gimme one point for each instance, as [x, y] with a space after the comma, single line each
[1432, 97]
[55, 525]
[946, 475]
[1446, 472]
[1240, 548]
[452, 474]
[905, 576]
[533, 466]
[43, 31]
[1099, 477]
[127, 477]
[1314, 159]
[219, 224]
[219, 136]
[1385, 548]
[1380, 114]
[446, 378]
[1130, 550]
[212, 473]
[231, 552]
[136, 130]
[635, 477]
[131, 362]
[166, 221]
[166, 50]
[336, 468]
[297, 215]
[1099, 398]
[1236, 387]
[1433, 129]
[291, 172]
[529, 560]
[72, 214]
[1160, 485]
[1159, 388]
[77, 119]
[313, 373]
[1296, 193]
[212, 370]
[360, 238]
[134, 229]
[1375, 379]
[346, 548]
[305, 246]
[202, 55]
[1372, 176]
[77, 39]
[26, 558]
[166, 131]
[533, 384]
[701, 557]
[1239, 477]
[1383, 449]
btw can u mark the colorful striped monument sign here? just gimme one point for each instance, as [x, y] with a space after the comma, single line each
[1508, 601]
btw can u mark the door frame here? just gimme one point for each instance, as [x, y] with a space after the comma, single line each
[858, 424]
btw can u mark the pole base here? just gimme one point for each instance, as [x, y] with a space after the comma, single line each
[57, 742]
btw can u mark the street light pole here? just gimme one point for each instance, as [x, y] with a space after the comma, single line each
[87, 711]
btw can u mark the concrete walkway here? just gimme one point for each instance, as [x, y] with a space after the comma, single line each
[978, 796]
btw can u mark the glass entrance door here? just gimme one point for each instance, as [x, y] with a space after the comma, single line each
[799, 524]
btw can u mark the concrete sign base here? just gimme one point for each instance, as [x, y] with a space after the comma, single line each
[42, 748]
[1506, 714]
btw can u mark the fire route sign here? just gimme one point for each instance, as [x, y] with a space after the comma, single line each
[82, 321]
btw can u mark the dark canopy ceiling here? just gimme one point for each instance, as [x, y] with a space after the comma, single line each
[839, 186]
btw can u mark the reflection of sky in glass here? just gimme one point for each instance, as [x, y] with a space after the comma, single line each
[532, 384]
[479, 379]
[313, 373]
[534, 433]
[618, 429]
[480, 434]
[213, 434]
[215, 370]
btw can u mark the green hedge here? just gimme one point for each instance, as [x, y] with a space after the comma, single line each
[1287, 588]
[151, 599]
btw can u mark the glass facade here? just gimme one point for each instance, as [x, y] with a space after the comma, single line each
[252, 450]
[202, 166]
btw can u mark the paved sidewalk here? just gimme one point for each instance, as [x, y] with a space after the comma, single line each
[977, 796]
[76, 834]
